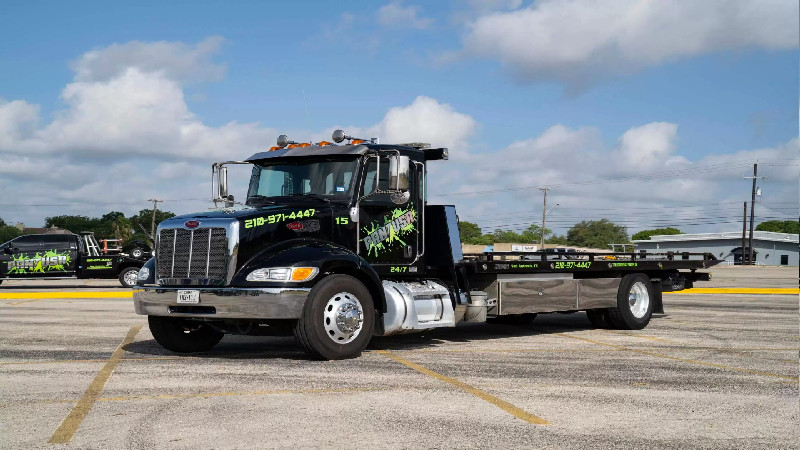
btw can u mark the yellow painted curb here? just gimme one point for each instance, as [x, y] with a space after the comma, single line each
[785, 291]
[89, 294]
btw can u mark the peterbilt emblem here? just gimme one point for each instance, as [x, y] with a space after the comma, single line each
[306, 226]
[191, 224]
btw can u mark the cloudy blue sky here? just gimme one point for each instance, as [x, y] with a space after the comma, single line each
[645, 112]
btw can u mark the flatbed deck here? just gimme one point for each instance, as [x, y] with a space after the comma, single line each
[546, 262]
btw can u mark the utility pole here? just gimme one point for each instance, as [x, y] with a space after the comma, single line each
[752, 215]
[153, 221]
[744, 234]
[544, 212]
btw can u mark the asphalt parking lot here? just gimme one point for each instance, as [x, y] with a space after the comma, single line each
[717, 370]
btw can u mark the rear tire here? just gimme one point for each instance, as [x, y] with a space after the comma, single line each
[338, 319]
[598, 318]
[635, 301]
[128, 276]
[182, 335]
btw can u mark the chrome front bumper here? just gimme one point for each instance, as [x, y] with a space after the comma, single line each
[223, 303]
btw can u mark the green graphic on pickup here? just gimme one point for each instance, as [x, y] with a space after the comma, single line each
[50, 261]
[380, 238]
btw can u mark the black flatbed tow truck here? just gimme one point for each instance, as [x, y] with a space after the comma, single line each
[337, 243]
[63, 256]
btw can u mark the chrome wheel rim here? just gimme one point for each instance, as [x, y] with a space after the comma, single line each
[343, 317]
[638, 300]
[130, 277]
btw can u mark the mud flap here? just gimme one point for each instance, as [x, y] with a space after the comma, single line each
[658, 299]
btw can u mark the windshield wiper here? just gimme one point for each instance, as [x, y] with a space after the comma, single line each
[259, 199]
[312, 195]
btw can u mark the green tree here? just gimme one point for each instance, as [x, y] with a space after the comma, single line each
[597, 234]
[7, 233]
[506, 236]
[533, 234]
[645, 234]
[556, 239]
[75, 224]
[470, 233]
[780, 226]
[112, 225]
[142, 220]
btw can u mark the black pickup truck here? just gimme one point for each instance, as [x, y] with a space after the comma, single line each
[337, 243]
[55, 256]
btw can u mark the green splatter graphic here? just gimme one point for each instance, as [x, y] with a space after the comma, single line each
[50, 261]
[383, 237]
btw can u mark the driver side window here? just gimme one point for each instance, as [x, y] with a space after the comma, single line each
[371, 181]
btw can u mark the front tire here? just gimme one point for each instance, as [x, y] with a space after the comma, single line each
[635, 301]
[182, 335]
[338, 319]
[128, 276]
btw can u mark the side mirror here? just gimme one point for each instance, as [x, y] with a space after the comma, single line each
[222, 182]
[8, 250]
[398, 173]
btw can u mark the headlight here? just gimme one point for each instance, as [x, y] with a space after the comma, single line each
[291, 274]
[144, 274]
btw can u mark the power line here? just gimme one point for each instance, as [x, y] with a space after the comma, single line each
[75, 204]
[645, 177]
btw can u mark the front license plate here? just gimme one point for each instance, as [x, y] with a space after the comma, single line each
[188, 296]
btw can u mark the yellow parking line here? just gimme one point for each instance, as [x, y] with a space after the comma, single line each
[675, 358]
[70, 425]
[72, 294]
[505, 406]
[738, 291]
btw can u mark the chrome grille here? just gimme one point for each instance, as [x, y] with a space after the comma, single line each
[199, 254]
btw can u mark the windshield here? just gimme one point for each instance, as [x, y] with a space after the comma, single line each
[314, 178]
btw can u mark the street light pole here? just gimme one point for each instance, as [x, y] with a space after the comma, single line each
[544, 212]
[153, 221]
[752, 215]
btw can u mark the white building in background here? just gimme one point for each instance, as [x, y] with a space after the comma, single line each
[774, 249]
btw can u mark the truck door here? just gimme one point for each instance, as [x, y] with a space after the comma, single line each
[59, 254]
[388, 230]
[21, 257]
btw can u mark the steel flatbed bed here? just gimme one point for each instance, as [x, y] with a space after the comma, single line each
[546, 262]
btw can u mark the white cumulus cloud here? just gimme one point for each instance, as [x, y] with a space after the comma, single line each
[174, 60]
[396, 15]
[577, 41]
